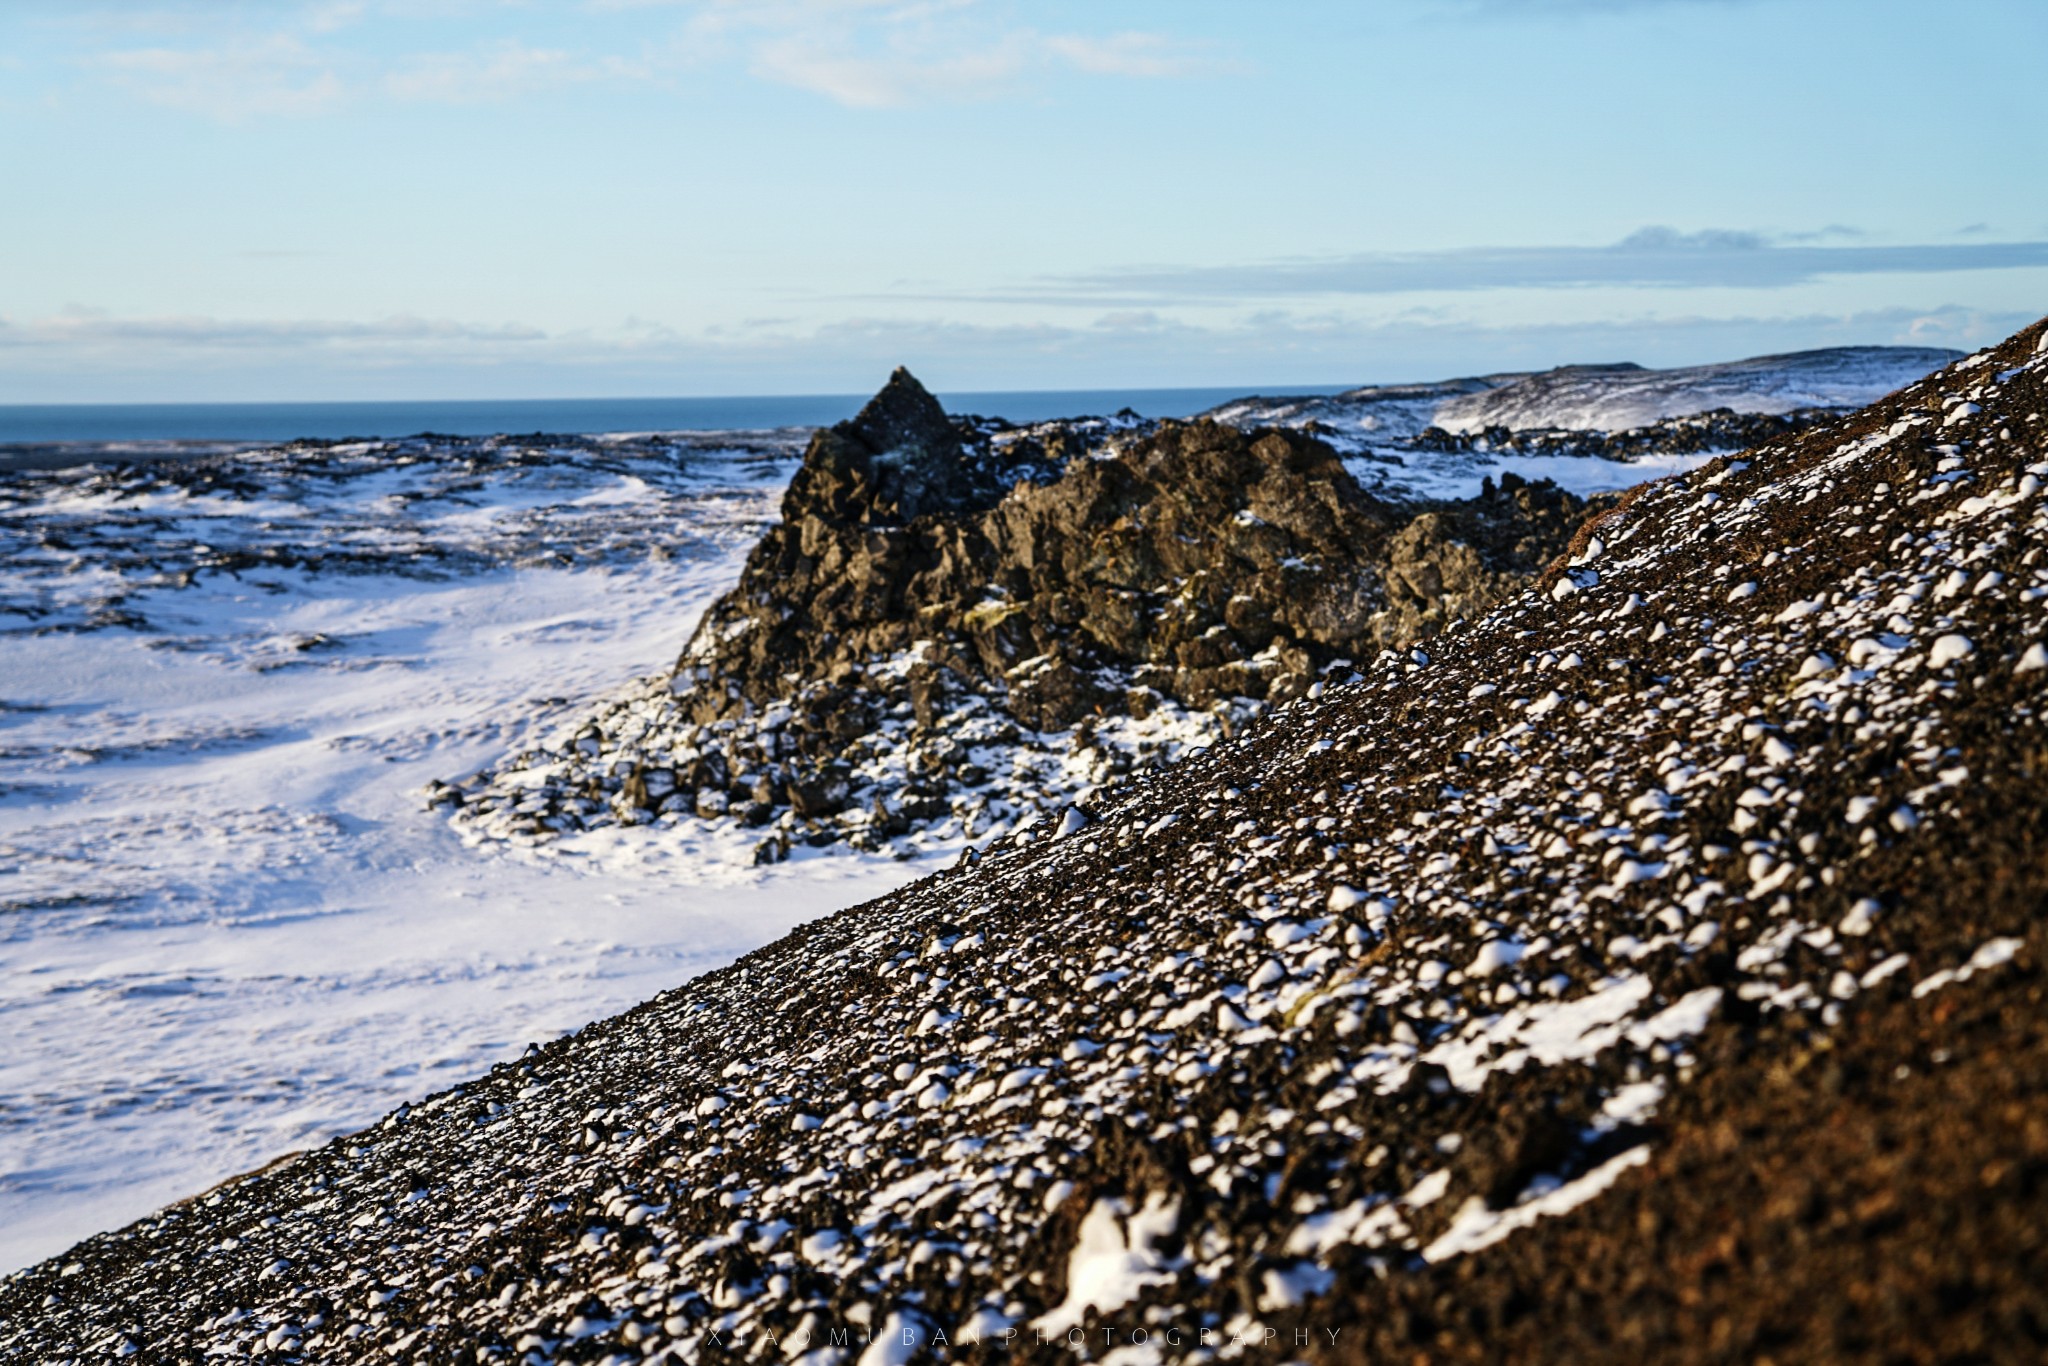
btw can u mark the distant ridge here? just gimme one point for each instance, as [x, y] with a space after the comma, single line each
[1604, 397]
[1613, 397]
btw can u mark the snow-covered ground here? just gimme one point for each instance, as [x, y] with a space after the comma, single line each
[229, 928]
[1617, 397]
[1375, 426]
[1412, 473]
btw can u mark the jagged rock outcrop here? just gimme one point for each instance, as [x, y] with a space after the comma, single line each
[1182, 558]
[898, 459]
[1198, 562]
[922, 571]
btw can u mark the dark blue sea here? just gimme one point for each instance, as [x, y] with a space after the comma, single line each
[40, 434]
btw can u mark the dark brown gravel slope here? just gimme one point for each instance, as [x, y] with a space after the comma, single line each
[1878, 1194]
[1539, 998]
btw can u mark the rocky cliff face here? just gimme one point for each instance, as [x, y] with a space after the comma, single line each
[931, 588]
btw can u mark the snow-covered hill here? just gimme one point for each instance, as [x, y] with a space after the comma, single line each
[1650, 970]
[1594, 428]
[1385, 413]
[1612, 398]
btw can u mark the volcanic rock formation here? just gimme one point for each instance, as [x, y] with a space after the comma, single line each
[1202, 561]
[932, 586]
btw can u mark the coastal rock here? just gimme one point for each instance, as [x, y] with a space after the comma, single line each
[972, 624]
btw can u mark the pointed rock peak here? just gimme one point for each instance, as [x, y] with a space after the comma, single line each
[904, 415]
[899, 458]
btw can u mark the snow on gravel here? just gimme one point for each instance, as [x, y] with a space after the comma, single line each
[229, 928]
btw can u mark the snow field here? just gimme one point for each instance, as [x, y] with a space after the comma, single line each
[232, 929]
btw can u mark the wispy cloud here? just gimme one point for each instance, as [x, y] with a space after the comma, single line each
[300, 68]
[1552, 9]
[879, 80]
[256, 60]
[1652, 258]
[884, 53]
[274, 74]
[81, 329]
[97, 358]
[500, 71]
[1145, 55]
[1291, 346]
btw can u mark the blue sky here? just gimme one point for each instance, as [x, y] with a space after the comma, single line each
[480, 198]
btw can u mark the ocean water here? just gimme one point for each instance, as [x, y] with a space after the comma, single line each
[50, 434]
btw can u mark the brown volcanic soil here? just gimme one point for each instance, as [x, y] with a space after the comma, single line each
[1636, 894]
[1875, 1195]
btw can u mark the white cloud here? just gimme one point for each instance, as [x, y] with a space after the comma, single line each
[301, 70]
[1126, 54]
[711, 16]
[82, 329]
[883, 53]
[233, 63]
[1549, 9]
[332, 18]
[499, 71]
[862, 80]
[277, 74]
